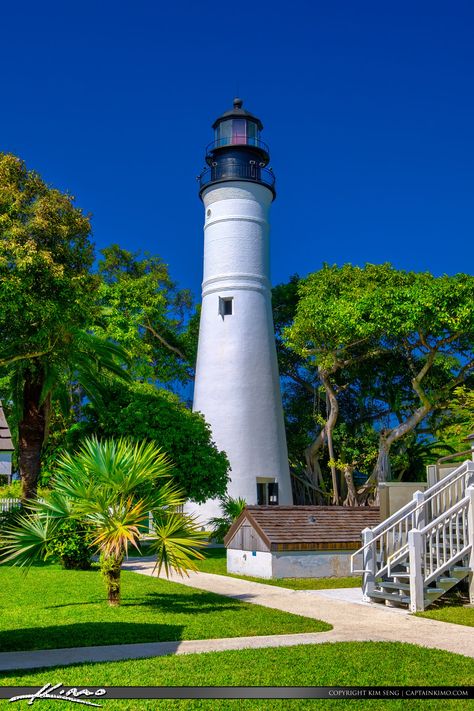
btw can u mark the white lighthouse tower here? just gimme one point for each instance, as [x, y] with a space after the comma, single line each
[237, 385]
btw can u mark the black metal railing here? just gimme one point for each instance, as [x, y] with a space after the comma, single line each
[237, 141]
[237, 171]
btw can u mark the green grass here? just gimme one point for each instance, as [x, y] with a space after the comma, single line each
[52, 608]
[215, 562]
[341, 664]
[452, 607]
[456, 614]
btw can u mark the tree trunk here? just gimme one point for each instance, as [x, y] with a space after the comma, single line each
[313, 469]
[351, 498]
[31, 432]
[332, 408]
[111, 568]
[382, 466]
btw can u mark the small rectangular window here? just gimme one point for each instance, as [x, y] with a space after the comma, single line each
[267, 493]
[226, 306]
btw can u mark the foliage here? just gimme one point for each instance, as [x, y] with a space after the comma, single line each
[409, 336]
[13, 491]
[45, 257]
[7, 520]
[457, 421]
[71, 545]
[231, 510]
[47, 302]
[141, 412]
[146, 313]
[109, 488]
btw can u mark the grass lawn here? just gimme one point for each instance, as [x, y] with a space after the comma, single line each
[341, 664]
[52, 608]
[452, 607]
[215, 562]
[456, 614]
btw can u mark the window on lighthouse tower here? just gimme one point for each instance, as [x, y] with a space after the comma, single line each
[226, 306]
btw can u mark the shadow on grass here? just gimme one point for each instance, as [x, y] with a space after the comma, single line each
[166, 603]
[85, 634]
[195, 603]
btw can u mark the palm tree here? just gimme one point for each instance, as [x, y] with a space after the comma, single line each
[231, 510]
[77, 358]
[111, 488]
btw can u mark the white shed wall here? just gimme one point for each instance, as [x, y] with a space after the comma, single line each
[254, 563]
[289, 564]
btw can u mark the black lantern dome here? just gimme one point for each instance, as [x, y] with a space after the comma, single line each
[237, 152]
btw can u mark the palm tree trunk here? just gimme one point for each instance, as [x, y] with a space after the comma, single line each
[31, 433]
[111, 567]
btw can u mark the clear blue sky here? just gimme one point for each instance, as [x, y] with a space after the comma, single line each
[368, 109]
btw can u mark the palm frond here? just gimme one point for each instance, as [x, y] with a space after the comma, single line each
[26, 542]
[178, 539]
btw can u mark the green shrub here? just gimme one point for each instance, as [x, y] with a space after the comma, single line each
[7, 519]
[72, 546]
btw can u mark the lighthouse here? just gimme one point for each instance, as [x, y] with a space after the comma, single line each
[237, 386]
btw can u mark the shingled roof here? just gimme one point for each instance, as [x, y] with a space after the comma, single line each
[307, 527]
[6, 444]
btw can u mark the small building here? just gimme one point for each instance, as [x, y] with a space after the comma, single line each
[6, 449]
[296, 541]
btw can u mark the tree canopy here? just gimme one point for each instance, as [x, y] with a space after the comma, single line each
[407, 338]
[140, 411]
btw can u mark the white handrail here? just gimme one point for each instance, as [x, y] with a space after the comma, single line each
[412, 507]
[446, 515]
[393, 531]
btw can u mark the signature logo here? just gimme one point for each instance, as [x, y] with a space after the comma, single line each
[50, 691]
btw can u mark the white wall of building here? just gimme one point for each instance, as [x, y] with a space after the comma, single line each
[256, 564]
[311, 564]
[290, 564]
[237, 386]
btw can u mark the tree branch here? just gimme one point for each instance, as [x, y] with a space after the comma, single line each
[164, 342]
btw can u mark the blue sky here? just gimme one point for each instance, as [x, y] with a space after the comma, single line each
[368, 109]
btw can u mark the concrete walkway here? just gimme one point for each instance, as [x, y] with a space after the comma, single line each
[352, 620]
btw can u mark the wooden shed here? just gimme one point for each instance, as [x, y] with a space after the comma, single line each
[6, 448]
[296, 541]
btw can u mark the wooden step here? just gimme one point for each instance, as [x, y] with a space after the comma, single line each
[395, 586]
[378, 595]
[458, 573]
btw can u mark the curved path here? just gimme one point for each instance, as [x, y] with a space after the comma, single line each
[352, 620]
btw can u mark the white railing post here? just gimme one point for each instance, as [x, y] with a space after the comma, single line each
[470, 528]
[420, 515]
[469, 474]
[368, 564]
[415, 547]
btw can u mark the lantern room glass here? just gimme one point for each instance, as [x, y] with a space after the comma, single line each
[237, 132]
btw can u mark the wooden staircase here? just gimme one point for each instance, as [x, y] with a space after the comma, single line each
[425, 548]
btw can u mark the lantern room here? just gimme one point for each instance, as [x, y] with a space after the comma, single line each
[237, 127]
[237, 152]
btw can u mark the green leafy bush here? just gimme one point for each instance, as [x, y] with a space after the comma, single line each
[7, 519]
[72, 546]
